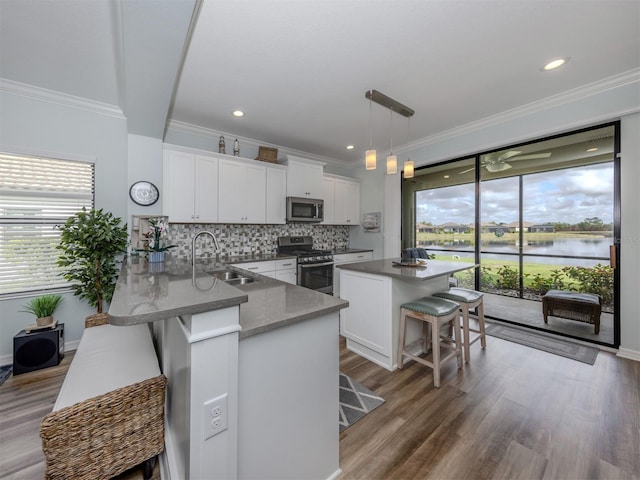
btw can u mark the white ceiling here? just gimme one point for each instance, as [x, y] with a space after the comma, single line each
[300, 68]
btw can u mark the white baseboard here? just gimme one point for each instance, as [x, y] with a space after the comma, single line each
[629, 354]
[335, 474]
[68, 347]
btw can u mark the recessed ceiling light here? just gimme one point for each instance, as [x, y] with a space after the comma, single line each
[592, 149]
[446, 176]
[350, 147]
[553, 64]
[238, 113]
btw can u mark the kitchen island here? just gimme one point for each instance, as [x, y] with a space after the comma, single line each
[375, 291]
[262, 355]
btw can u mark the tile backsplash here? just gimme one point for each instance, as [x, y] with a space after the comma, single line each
[239, 239]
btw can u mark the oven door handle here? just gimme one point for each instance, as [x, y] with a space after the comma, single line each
[311, 265]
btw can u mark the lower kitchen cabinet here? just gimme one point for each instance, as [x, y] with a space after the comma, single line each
[284, 270]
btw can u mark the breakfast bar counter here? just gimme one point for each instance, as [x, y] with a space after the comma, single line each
[375, 291]
[241, 352]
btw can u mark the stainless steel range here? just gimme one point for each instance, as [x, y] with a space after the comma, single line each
[315, 267]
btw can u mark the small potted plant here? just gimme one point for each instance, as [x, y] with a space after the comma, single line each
[43, 308]
[154, 236]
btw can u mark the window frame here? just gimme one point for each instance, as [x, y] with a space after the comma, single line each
[64, 190]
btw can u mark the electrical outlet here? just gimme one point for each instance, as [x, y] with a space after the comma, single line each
[214, 416]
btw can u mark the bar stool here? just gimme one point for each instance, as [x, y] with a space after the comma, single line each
[467, 299]
[435, 313]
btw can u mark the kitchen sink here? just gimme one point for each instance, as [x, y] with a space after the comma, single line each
[232, 278]
[239, 280]
[227, 275]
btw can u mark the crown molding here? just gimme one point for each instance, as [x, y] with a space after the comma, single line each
[586, 91]
[189, 128]
[560, 99]
[37, 93]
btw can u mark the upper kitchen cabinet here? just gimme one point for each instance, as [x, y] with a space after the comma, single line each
[345, 202]
[328, 193]
[242, 189]
[304, 177]
[190, 187]
[276, 194]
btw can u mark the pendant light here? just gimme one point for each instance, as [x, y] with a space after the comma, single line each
[408, 164]
[393, 106]
[392, 160]
[370, 156]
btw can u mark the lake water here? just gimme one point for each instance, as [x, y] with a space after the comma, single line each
[574, 247]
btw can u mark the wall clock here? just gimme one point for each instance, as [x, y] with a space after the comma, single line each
[144, 193]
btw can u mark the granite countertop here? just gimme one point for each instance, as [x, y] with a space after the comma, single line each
[385, 267]
[146, 292]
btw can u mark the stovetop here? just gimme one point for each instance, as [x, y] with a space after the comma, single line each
[302, 248]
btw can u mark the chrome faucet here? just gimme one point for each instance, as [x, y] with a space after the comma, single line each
[193, 243]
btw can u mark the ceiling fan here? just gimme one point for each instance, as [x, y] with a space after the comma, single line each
[497, 162]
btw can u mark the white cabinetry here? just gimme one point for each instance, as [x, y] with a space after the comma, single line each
[347, 202]
[371, 323]
[343, 258]
[341, 197]
[190, 193]
[241, 192]
[276, 195]
[304, 177]
[284, 269]
[328, 189]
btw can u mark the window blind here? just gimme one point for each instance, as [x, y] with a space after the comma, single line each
[36, 195]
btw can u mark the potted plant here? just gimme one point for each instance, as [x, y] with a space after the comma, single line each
[154, 236]
[90, 243]
[43, 308]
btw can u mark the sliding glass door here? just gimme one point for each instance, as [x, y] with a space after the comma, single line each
[536, 217]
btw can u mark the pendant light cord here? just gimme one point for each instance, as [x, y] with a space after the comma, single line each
[370, 121]
[391, 131]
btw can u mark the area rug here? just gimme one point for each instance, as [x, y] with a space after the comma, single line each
[355, 401]
[535, 340]
[5, 372]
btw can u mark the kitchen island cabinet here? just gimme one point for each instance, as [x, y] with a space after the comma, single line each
[262, 357]
[375, 290]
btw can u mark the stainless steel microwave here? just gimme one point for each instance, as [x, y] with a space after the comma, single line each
[305, 209]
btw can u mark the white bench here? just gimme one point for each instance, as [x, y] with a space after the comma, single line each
[109, 414]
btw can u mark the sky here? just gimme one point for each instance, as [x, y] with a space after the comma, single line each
[567, 196]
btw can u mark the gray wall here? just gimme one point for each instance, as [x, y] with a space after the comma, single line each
[44, 127]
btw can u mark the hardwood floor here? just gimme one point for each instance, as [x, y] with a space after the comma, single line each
[513, 413]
